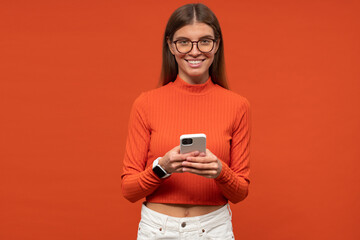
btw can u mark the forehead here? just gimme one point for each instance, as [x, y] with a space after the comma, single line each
[194, 31]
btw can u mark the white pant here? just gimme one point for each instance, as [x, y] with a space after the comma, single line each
[214, 225]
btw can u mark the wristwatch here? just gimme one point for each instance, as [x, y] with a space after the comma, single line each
[158, 170]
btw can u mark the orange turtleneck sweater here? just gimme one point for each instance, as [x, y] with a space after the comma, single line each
[159, 117]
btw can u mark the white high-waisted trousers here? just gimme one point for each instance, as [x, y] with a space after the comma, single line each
[214, 225]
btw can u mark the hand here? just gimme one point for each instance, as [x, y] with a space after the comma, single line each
[206, 165]
[172, 160]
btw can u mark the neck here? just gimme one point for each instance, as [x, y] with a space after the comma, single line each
[193, 89]
[194, 79]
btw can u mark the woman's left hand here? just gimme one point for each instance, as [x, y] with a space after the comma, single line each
[206, 165]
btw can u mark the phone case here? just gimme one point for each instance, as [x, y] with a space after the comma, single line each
[192, 142]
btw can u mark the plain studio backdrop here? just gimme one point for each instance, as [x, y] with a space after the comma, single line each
[70, 71]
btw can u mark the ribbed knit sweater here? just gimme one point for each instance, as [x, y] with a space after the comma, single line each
[159, 117]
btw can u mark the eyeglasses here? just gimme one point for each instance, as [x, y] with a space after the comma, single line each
[185, 46]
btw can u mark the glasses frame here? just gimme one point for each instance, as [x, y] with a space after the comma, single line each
[192, 45]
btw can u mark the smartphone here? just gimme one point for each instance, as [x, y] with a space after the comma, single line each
[192, 142]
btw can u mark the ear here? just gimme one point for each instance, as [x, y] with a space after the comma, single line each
[170, 46]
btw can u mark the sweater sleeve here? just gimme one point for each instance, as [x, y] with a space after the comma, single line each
[138, 181]
[234, 178]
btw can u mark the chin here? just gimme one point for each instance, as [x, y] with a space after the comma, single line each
[196, 73]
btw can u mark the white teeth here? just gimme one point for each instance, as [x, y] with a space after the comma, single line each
[194, 62]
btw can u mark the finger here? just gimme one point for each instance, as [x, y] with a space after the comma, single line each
[200, 166]
[176, 158]
[191, 154]
[177, 149]
[182, 157]
[200, 172]
[202, 154]
[178, 168]
[201, 159]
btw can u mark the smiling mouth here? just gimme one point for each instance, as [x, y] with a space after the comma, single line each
[195, 61]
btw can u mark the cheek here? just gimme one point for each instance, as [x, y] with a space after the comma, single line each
[179, 57]
[210, 58]
[209, 55]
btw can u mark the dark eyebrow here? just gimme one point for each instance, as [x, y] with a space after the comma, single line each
[185, 38]
[181, 38]
[207, 36]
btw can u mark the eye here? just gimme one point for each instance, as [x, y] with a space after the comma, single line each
[205, 41]
[183, 42]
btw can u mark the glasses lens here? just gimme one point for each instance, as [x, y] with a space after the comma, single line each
[205, 45]
[183, 46]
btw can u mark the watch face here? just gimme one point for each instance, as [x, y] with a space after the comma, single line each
[159, 172]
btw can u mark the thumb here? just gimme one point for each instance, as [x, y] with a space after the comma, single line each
[176, 149]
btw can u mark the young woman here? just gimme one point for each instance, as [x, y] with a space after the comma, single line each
[187, 194]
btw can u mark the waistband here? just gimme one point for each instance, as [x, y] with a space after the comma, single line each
[185, 224]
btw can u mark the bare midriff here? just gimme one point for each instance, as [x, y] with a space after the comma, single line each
[182, 210]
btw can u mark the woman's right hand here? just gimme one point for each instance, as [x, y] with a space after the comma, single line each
[172, 161]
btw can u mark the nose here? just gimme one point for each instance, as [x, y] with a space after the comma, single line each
[195, 50]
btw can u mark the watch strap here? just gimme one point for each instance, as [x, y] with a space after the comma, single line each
[158, 170]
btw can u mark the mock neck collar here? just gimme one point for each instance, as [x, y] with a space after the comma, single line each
[193, 88]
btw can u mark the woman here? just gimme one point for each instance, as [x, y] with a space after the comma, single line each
[187, 194]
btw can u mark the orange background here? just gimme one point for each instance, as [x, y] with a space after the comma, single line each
[70, 71]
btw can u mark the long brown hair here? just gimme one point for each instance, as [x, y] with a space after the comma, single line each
[182, 16]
